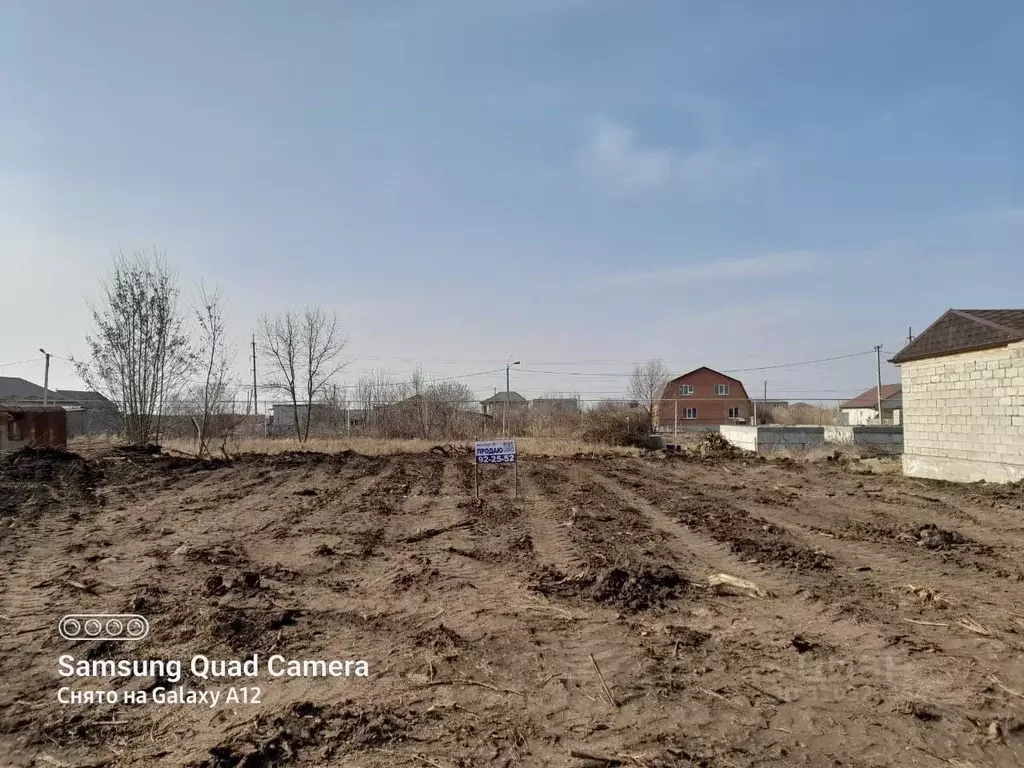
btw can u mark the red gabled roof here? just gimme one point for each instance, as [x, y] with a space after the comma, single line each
[710, 370]
[705, 368]
[869, 398]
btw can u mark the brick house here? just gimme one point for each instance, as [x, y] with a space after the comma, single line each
[703, 398]
[963, 397]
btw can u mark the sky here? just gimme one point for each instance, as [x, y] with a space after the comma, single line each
[578, 185]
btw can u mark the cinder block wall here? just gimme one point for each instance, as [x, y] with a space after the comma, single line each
[964, 416]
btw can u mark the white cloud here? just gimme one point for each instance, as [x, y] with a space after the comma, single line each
[615, 159]
[726, 270]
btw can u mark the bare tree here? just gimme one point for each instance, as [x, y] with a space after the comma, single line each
[139, 351]
[305, 356]
[647, 386]
[280, 339]
[211, 399]
[420, 401]
[322, 347]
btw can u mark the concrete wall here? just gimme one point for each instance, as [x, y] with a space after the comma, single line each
[741, 437]
[885, 438]
[768, 439]
[857, 416]
[860, 417]
[963, 416]
[789, 438]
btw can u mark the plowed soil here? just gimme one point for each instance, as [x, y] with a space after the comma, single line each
[575, 620]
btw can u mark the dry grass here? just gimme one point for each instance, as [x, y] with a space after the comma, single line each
[370, 446]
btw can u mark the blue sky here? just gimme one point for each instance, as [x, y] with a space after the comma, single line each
[732, 184]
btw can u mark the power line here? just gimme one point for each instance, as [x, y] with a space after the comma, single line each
[804, 362]
[22, 363]
[726, 370]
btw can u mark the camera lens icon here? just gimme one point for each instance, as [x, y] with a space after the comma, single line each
[70, 627]
[137, 628]
[103, 626]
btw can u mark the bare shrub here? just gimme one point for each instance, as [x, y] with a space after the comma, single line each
[615, 424]
[802, 414]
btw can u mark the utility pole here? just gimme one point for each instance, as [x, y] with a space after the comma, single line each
[764, 402]
[255, 403]
[878, 362]
[46, 377]
[504, 411]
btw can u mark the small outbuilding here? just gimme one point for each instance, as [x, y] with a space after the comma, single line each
[32, 426]
[963, 397]
[863, 409]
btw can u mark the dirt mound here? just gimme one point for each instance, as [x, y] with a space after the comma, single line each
[711, 448]
[716, 446]
[931, 536]
[47, 464]
[284, 738]
[441, 638]
[635, 591]
[149, 449]
[217, 554]
[448, 451]
[37, 479]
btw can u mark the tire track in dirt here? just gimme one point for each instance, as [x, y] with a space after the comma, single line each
[547, 518]
[882, 664]
[887, 568]
[875, 502]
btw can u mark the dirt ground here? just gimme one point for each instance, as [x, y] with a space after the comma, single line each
[575, 620]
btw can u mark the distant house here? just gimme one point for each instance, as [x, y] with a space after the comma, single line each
[324, 419]
[703, 397]
[88, 413]
[496, 404]
[14, 389]
[863, 409]
[963, 397]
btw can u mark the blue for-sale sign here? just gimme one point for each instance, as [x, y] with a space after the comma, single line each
[495, 451]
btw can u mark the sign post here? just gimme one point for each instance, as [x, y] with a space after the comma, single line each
[497, 452]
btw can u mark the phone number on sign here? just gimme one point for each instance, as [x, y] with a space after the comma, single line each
[497, 458]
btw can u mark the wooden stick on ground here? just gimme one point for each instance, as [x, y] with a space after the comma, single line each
[606, 759]
[604, 685]
[763, 692]
[1010, 691]
[467, 681]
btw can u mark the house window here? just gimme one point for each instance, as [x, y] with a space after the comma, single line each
[691, 413]
[721, 389]
[686, 389]
[734, 413]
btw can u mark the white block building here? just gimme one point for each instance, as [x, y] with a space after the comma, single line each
[963, 397]
[863, 409]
